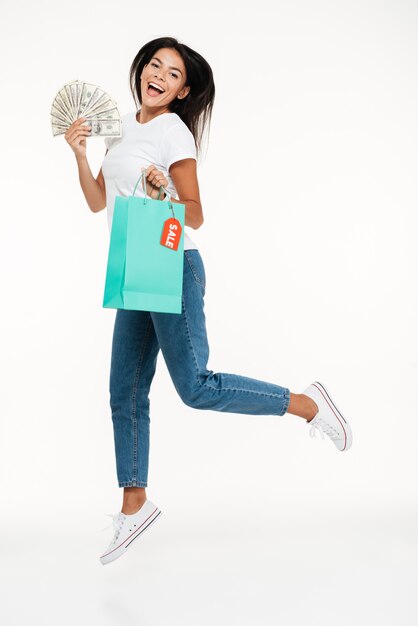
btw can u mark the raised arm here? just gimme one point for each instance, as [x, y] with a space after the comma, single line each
[93, 188]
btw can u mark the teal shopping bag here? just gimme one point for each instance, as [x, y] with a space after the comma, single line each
[143, 274]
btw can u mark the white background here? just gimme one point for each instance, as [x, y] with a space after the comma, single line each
[309, 194]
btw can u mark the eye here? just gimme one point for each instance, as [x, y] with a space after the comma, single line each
[156, 65]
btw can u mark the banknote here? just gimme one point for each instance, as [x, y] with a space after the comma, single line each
[78, 99]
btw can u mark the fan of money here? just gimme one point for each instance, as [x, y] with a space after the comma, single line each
[79, 99]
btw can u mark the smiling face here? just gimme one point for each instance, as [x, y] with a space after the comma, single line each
[165, 70]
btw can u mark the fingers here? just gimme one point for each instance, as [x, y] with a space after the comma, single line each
[156, 177]
[77, 131]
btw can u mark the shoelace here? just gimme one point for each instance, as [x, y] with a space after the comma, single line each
[117, 522]
[323, 427]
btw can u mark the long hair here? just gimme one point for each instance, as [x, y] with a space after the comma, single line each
[196, 108]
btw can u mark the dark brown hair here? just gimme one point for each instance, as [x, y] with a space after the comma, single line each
[196, 108]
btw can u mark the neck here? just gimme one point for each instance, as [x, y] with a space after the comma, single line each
[146, 113]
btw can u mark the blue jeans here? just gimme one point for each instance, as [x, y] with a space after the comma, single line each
[137, 339]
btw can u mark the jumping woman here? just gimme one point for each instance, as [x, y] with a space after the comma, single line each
[173, 89]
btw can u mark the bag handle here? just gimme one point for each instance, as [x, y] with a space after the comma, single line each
[144, 182]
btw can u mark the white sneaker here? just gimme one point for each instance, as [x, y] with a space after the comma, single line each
[128, 528]
[329, 419]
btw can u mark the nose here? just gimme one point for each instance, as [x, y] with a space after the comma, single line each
[157, 74]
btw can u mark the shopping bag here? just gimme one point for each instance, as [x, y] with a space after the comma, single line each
[146, 254]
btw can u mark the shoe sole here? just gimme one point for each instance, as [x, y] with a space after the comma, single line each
[343, 421]
[121, 549]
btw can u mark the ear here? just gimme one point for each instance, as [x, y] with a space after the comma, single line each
[183, 93]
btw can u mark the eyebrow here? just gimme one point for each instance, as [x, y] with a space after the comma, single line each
[170, 68]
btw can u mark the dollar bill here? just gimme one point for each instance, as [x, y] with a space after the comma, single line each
[99, 126]
[78, 99]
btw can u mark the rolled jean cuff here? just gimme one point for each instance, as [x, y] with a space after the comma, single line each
[286, 401]
[132, 483]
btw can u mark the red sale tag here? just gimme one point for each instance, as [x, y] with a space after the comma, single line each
[171, 233]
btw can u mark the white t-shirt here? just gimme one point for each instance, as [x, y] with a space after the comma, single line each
[162, 141]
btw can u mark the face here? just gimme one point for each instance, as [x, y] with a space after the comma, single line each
[166, 69]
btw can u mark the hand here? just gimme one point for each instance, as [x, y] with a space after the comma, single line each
[76, 136]
[154, 180]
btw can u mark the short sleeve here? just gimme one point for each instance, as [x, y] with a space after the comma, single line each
[109, 141]
[178, 143]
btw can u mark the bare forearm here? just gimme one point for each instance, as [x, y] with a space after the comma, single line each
[193, 212]
[93, 193]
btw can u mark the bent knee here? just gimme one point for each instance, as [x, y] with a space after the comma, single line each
[195, 396]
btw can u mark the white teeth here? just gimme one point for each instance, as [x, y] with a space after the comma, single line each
[157, 86]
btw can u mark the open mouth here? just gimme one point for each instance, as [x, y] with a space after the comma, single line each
[153, 90]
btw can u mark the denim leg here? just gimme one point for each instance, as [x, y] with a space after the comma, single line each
[134, 356]
[183, 341]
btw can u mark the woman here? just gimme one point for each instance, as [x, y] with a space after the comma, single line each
[175, 88]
